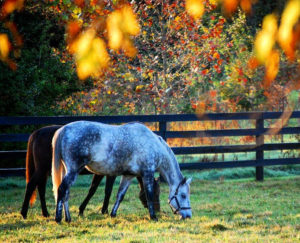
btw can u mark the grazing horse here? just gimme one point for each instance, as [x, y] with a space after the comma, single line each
[128, 150]
[38, 168]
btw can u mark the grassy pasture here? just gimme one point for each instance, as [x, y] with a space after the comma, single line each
[223, 211]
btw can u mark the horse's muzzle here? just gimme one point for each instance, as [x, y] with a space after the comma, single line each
[185, 214]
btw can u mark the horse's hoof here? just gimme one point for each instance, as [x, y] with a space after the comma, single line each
[81, 210]
[154, 218]
[68, 220]
[24, 215]
[113, 215]
[58, 219]
[104, 211]
[46, 214]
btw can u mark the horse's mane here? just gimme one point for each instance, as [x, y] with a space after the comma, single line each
[170, 151]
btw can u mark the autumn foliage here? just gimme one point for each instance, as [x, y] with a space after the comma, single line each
[145, 57]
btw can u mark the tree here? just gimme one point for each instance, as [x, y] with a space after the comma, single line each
[166, 69]
[40, 78]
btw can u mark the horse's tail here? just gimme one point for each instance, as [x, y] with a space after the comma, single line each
[30, 168]
[58, 169]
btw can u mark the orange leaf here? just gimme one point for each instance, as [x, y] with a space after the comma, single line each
[201, 108]
[204, 71]
[79, 3]
[230, 6]
[253, 63]
[213, 93]
[246, 5]
[73, 30]
[11, 5]
[272, 66]
[216, 55]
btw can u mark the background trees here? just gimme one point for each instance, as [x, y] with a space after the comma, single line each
[42, 75]
[175, 63]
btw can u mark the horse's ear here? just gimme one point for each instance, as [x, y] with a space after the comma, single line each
[188, 181]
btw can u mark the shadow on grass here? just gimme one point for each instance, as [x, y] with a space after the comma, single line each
[17, 225]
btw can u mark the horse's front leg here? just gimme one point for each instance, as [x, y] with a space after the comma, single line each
[95, 183]
[124, 184]
[110, 180]
[148, 180]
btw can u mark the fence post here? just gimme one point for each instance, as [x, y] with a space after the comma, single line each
[259, 125]
[162, 130]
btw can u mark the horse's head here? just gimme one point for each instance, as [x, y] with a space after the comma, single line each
[179, 199]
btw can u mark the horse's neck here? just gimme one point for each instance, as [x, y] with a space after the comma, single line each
[171, 172]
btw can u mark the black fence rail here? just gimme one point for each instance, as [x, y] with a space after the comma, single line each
[260, 131]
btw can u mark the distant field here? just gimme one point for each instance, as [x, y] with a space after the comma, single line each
[223, 211]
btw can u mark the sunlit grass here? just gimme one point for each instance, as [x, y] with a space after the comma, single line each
[223, 211]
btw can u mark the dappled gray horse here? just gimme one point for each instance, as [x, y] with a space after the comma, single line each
[129, 150]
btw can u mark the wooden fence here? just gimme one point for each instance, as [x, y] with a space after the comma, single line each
[259, 132]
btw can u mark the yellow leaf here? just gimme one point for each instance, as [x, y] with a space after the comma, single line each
[263, 45]
[120, 25]
[84, 42]
[177, 19]
[90, 54]
[84, 69]
[265, 38]
[291, 13]
[194, 8]
[129, 22]
[138, 88]
[289, 18]
[115, 34]
[4, 46]
[270, 24]
[99, 51]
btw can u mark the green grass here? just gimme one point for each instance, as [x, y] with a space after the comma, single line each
[223, 211]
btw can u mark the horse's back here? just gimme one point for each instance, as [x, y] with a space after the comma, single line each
[42, 150]
[111, 149]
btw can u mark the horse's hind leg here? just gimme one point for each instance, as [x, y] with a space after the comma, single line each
[42, 192]
[63, 196]
[110, 180]
[30, 187]
[95, 183]
[66, 208]
[148, 180]
[142, 195]
[125, 182]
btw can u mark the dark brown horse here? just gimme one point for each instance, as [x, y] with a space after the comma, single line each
[38, 168]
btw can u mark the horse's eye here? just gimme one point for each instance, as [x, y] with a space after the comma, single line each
[183, 196]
